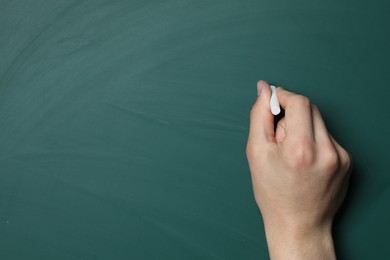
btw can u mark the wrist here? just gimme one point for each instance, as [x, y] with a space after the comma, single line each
[300, 242]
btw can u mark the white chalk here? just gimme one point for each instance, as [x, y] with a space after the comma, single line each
[274, 102]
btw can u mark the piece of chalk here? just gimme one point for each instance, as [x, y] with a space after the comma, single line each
[274, 102]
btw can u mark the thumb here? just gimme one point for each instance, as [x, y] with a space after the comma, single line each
[261, 119]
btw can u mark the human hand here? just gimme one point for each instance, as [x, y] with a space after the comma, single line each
[299, 174]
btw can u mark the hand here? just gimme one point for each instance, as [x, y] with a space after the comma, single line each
[299, 174]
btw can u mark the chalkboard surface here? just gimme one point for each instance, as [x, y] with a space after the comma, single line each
[123, 124]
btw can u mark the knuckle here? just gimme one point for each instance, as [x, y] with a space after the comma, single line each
[251, 150]
[330, 158]
[253, 111]
[302, 100]
[302, 156]
[347, 159]
[258, 153]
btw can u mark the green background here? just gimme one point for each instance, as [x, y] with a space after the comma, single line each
[123, 124]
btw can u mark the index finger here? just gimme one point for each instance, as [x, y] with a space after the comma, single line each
[298, 114]
[261, 120]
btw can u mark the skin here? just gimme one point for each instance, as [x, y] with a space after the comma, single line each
[299, 173]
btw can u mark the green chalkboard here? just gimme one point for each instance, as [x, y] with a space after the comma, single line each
[123, 124]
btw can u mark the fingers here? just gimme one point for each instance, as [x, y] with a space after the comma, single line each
[298, 113]
[261, 118]
[344, 156]
[323, 138]
[280, 130]
[320, 132]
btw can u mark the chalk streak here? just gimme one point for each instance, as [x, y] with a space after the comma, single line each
[184, 122]
[139, 114]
